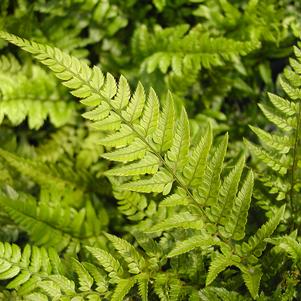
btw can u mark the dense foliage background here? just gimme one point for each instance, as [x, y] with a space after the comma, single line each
[63, 199]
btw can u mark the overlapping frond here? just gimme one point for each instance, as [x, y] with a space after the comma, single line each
[182, 49]
[33, 97]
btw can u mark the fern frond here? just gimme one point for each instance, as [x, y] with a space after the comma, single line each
[218, 264]
[280, 150]
[25, 268]
[47, 225]
[252, 276]
[134, 260]
[84, 278]
[287, 124]
[218, 294]
[131, 204]
[142, 280]
[235, 227]
[279, 143]
[183, 49]
[209, 187]
[108, 262]
[283, 105]
[278, 163]
[256, 243]
[59, 287]
[179, 198]
[167, 287]
[161, 182]
[150, 246]
[195, 169]
[39, 172]
[177, 156]
[192, 243]
[164, 133]
[9, 64]
[288, 245]
[148, 165]
[98, 276]
[153, 148]
[122, 288]
[183, 220]
[33, 97]
[221, 209]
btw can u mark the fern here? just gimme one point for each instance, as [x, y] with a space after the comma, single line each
[280, 151]
[9, 64]
[202, 217]
[184, 49]
[289, 245]
[48, 224]
[32, 97]
[216, 293]
[24, 269]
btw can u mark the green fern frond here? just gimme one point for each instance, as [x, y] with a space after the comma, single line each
[221, 209]
[256, 243]
[252, 276]
[25, 268]
[179, 198]
[33, 97]
[280, 150]
[148, 165]
[183, 220]
[180, 49]
[150, 246]
[84, 278]
[161, 182]
[142, 280]
[192, 243]
[152, 148]
[167, 287]
[132, 204]
[209, 187]
[278, 163]
[164, 133]
[195, 168]
[290, 246]
[177, 156]
[122, 288]
[135, 261]
[279, 143]
[50, 225]
[218, 294]
[59, 287]
[286, 124]
[108, 262]
[283, 105]
[39, 172]
[220, 263]
[9, 64]
[235, 227]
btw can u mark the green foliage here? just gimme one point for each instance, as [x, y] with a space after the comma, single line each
[31, 94]
[142, 190]
[280, 151]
